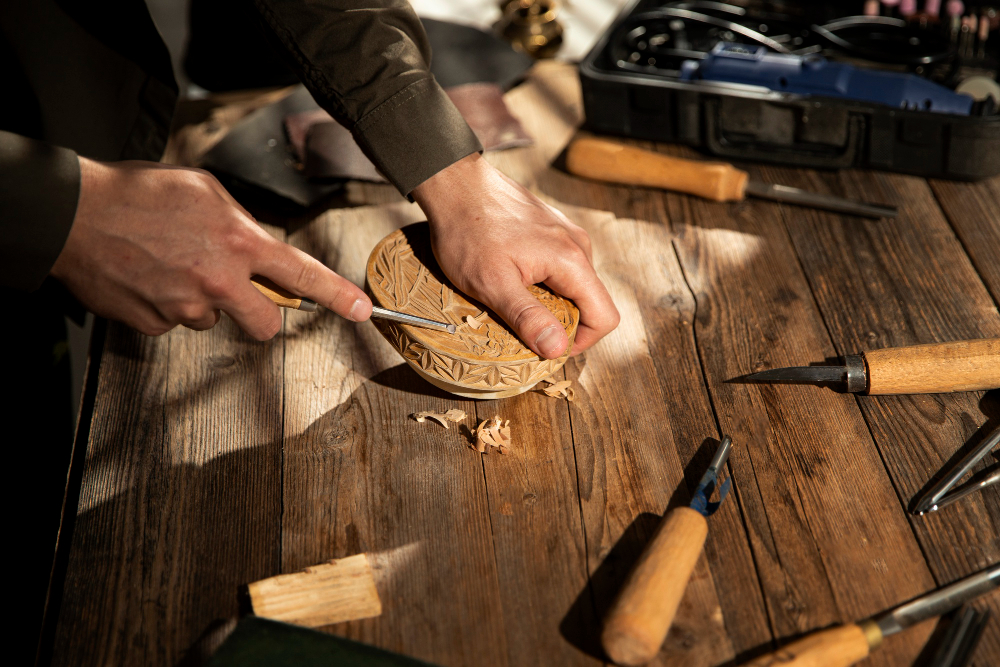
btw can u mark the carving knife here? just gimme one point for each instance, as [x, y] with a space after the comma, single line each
[604, 160]
[968, 365]
[285, 299]
[845, 645]
[641, 615]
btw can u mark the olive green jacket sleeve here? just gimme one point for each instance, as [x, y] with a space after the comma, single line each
[366, 62]
[38, 182]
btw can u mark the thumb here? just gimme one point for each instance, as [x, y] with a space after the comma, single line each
[533, 323]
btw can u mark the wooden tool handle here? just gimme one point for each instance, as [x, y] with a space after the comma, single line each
[841, 646]
[280, 296]
[967, 365]
[609, 161]
[640, 616]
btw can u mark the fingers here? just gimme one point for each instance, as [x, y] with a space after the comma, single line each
[575, 279]
[305, 276]
[531, 321]
[254, 312]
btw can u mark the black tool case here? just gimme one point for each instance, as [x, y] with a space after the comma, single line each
[624, 95]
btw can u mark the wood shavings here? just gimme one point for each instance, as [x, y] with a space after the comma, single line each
[492, 433]
[473, 322]
[561, 389]
[453, 415]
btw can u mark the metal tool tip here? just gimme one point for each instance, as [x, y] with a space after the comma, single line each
[452, 329]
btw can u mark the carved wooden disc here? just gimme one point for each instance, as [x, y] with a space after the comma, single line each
[488, 362]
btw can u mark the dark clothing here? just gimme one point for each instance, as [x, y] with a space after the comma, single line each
[94, 79]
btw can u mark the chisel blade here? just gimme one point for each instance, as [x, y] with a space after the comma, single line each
[940, 601]
[785, 193]
[800, 375]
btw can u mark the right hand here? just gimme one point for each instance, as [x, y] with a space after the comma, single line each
[155, 246]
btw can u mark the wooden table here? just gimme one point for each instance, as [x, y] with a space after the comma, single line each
[212, 460]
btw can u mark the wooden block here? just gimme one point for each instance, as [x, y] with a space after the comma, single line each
[483, 358]
[336, 591]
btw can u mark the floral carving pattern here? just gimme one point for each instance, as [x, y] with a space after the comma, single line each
[490, 358]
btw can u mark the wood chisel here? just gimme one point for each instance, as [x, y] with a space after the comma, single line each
[610, 161]
[845, 645]
[641, 615]
[285, 299]
[966, 365]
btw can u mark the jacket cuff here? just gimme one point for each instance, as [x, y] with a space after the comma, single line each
[39, 191]
[415, 134]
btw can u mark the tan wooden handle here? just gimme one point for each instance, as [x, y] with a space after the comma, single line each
[280, 296]
[841, 646]
[610, 161]
[967, 365]
[640, 616]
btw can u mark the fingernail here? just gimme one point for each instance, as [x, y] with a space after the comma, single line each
[361, 310]
[549, 342]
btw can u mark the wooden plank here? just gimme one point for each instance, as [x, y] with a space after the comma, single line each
[830, 542]
[537, 532]
[666, 307]
[360, 475]
[180, 496]
[973, 209]
[628, 464]
[862, 275]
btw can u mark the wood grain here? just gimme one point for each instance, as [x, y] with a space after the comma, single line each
[360, 475]
[339, 590]
[180, 498]
[862, 275]
[972, 210]
[935, 368]
[549, 107]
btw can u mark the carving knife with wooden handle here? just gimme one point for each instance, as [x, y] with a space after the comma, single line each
[844, 645]
[605, 160]
[643, 611]
[934, 368]
[285, 299]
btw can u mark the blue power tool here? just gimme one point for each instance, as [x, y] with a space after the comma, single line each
[815, 75]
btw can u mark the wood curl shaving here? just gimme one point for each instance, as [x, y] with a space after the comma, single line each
[492, 433]
[561, 389]
[473, 322]
[453, 415]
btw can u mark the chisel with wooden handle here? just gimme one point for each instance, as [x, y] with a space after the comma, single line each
[604, 160]
[936, 368]
[641, 615]
[845, 645]
[285, 299]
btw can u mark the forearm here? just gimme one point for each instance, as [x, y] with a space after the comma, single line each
[368, 66]
[39, 190]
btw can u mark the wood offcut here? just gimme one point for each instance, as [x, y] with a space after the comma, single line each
[333, 592]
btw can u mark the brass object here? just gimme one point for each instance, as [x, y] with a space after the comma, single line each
[531, 27]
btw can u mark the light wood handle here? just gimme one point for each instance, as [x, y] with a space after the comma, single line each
[640, 616]
[841, 646]
[610, 161]
[967, 365]
[280, 296]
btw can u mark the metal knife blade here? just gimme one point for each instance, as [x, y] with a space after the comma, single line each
[801, 374]
[940, 601]
[785, 193]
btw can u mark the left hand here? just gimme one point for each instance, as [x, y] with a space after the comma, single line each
[493, 239]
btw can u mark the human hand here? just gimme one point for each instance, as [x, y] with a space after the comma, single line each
[155, 246]
[493, 238]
